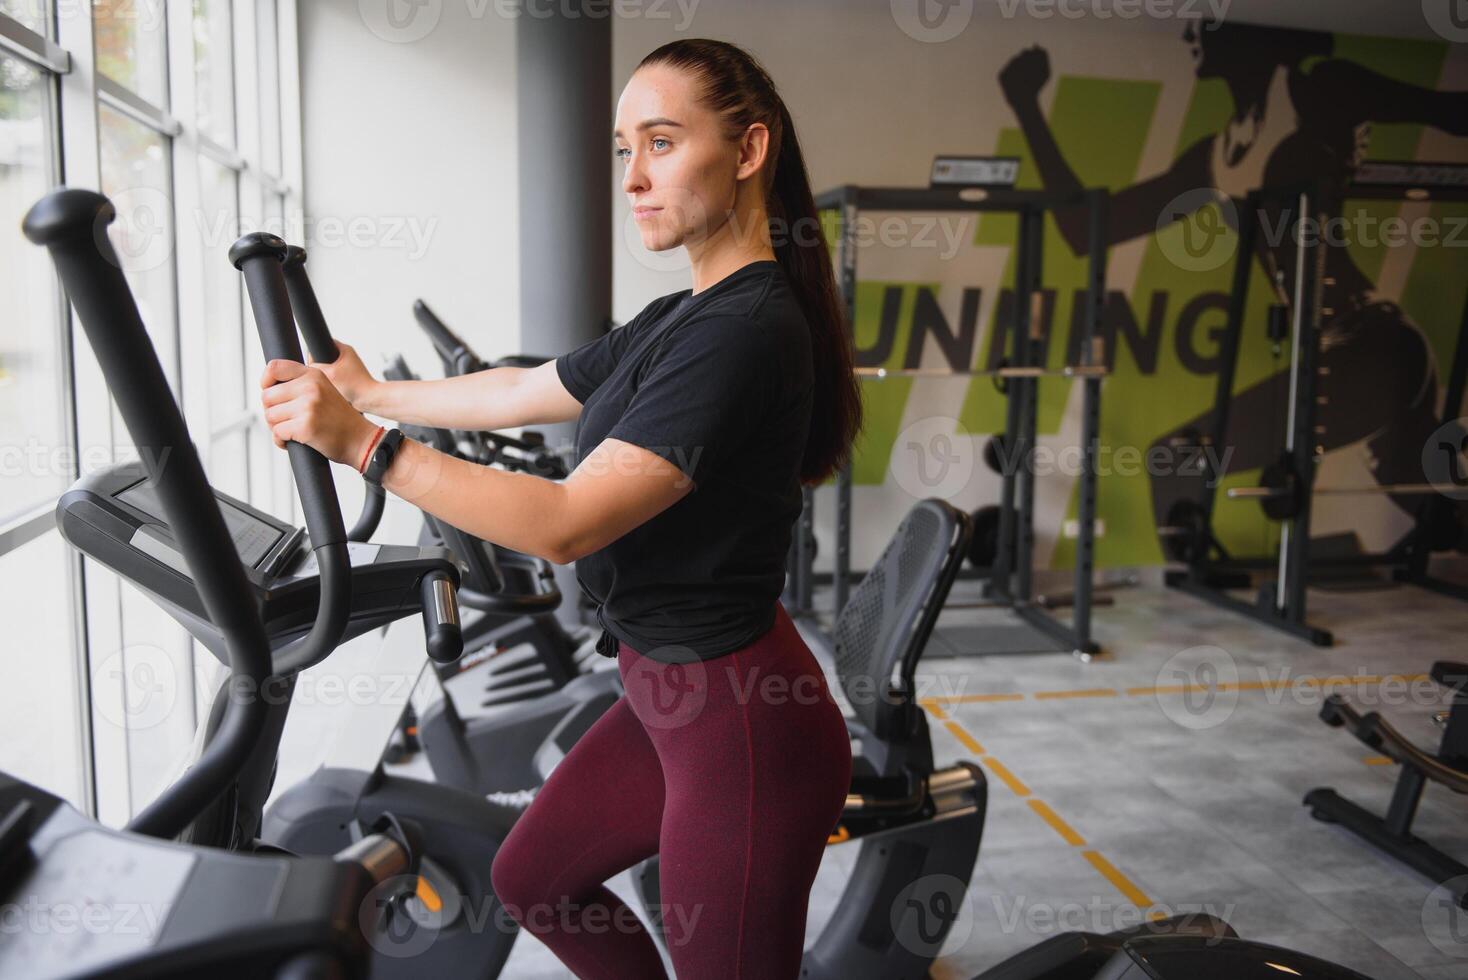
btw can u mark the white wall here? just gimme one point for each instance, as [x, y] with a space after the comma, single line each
[411, 138]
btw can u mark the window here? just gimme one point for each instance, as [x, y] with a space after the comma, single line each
[135, 175]
[132, 47]
[35, 14]
[33, 467]
[178, 134]
[214, 70]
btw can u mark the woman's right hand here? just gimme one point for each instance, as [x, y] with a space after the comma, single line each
[1022, 78]
[349, 376]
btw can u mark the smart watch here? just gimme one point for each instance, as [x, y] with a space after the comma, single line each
[382, 456]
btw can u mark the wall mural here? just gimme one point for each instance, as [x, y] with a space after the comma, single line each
[1268, 108]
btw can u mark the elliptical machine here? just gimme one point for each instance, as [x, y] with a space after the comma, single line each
[195, 910]
[310, 591]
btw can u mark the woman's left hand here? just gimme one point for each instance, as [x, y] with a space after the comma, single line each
[301, 405]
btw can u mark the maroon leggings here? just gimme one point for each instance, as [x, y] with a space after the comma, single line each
[734, 770]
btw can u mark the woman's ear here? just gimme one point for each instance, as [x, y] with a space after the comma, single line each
[754, 146]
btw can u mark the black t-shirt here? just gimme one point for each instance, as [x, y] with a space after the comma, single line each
[720, 385]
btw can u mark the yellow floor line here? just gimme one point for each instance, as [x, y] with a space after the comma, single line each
[1340, 680]
[1058, 825]
[964, 738]
[1005, 776]
[978, 698]
[1123, 884]
[1379, 760]
[934, 708]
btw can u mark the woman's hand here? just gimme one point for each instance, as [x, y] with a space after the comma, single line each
[302, 405]
[349, 376]
[1023, 77]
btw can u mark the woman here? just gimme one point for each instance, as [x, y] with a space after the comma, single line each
[698, 422]
[1299, 115]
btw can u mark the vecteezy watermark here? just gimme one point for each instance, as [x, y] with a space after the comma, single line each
[137, 687]
[1445, 459]
[667, 688]
[932, 915]
[1198, 688]
[933, 457]
[35, 458]
[1016, 914]
[932, 21]
[1209, 12]
[406, 21]
[1449, 18]
[1365, 228]
[142, 231]
[1196, 230]
[145, 16]
[36, 916]
[1445, 919]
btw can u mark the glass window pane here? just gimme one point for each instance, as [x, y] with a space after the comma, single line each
[35, 14]
[269, 66]
[132, 48]
[135, 175]
[40, 733]
[157, 714]
[33, 464]
[228, 471]
[214, 70]
[216, 226]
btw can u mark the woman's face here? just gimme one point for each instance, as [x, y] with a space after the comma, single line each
[680, 173]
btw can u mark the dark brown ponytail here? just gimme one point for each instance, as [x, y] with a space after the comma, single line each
[736, 87]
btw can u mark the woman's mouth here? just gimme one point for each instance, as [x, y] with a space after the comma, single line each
[642, 214]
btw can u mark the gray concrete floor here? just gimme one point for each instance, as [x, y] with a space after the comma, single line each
[1153, 800]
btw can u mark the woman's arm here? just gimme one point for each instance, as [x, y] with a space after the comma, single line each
[499, 398]
[1338, 86]
[615, 488]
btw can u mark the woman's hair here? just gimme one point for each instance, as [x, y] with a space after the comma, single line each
[736, 87]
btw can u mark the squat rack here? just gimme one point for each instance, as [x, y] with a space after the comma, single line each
[1018, 375]
[1286, 494]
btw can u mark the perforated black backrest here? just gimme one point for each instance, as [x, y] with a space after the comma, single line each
[888, 618]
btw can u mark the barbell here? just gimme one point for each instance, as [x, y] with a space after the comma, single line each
[1281, 494]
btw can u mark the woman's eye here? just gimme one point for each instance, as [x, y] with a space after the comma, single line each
[621, 153]
[658, 139]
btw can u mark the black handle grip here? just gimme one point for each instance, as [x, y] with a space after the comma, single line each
[72, 225]
[258, 256]
[306, 307]
[444, 340]
[441, 633]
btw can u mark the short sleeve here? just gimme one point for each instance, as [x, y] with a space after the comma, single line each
[702, 395]
[584, 369]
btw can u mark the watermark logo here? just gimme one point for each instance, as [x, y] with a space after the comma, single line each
[146, 686]
[932, 21]
[1198, 688]
[397, 921]
[932, 914]
[668, 688]
[1448, 18]
[933, 457]
[1445, 920]
[1195, 231]
[1445, 459]
[400, 21]
[142, 232]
